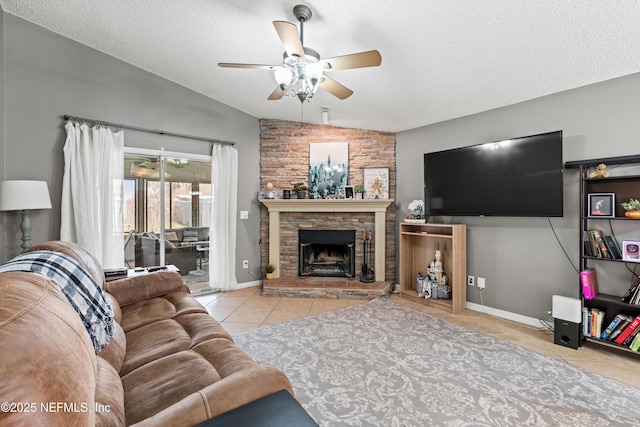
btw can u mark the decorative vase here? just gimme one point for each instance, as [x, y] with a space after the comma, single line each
[632, 214]
[268, 276]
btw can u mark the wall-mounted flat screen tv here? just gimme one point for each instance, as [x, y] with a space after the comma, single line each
[515, 177]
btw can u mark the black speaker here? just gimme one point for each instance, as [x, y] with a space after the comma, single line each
[566, 333]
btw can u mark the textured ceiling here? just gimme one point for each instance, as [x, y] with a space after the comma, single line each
[441, 59]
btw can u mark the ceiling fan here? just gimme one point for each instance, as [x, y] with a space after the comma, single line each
[302, 71]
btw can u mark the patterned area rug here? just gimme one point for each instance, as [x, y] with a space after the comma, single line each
[383, 364]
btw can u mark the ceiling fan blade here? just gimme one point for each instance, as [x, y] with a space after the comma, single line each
[252, 66]
[288, 34]
[370, 58]
[335, 88]
[276, 94]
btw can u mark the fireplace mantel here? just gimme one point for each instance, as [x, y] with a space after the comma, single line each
[376, 206]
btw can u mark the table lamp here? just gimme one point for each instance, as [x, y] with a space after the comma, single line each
[25, 196]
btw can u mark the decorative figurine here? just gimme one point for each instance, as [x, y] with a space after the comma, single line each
[269, 188]
[600, 172]
[376, 188]
[438, 265]
[416, 212]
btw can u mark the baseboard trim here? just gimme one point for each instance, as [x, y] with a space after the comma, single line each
[246, 284]
[504, 314]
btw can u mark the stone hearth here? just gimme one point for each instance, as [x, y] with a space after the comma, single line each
[324, 287]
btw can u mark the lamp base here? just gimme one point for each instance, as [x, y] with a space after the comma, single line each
[25, 226]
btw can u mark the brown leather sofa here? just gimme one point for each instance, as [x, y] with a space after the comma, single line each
[168, 364]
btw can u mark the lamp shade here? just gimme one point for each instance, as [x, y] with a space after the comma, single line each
[16, 195]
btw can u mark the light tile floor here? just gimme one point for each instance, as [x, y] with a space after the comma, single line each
[246, 309]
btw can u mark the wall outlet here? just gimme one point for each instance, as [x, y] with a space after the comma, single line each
[244, 214]
[481, 282]
[245, 263]
[471, 280]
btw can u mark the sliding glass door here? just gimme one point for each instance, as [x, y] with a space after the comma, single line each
[167, 212]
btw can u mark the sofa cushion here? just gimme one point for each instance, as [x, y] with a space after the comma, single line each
[114, 352]
[171, 236]
[164, 382]
[146, 312]
[190, 236]
[109, 404]
[153, 341]
[136, 289]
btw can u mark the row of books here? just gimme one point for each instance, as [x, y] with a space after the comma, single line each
[600, 245]
[592, 322]
[623, 330]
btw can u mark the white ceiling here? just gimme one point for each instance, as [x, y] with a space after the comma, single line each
[441, 59]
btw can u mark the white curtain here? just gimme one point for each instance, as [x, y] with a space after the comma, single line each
[92, 191]
[222, 236]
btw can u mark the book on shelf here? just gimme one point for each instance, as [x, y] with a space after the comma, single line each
[635, 344]
[613, 247]
[586, 322]
[593, 244]
[589, 282]
[599, 319]
[635, 323]
[632, 296]
[631, 291]
[627, 342]
[621, 327]
[612, 326]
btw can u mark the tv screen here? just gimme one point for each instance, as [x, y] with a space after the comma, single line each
[514, 177]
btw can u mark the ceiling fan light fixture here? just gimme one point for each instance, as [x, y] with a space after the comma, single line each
[283, 77]
[302, 72]
[314, 72]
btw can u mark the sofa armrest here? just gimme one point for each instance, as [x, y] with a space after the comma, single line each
[135, 289]
[232, 392]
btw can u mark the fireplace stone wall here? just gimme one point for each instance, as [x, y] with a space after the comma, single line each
[284, 160]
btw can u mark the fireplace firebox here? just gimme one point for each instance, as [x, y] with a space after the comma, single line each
[328, 253]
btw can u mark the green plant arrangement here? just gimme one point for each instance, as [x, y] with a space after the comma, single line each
[632, 208]
[301, 190]
[269, 269]
[631, 205]
[359, 191]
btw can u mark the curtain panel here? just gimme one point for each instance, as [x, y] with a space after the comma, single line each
[92, 191]
[224, 187]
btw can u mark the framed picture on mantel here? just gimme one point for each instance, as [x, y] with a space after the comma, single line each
[376, 183]
[328, 168]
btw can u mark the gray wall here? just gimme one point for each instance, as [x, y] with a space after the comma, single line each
[2, 155]
[47, 76]
[523, 263]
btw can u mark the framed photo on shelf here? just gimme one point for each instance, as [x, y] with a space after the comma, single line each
[601, 205]
[348, 192]
[631, 250]
[376, 183]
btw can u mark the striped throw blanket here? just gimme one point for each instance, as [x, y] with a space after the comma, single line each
[81, 290]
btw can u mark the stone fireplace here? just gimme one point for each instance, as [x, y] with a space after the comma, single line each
[327, 253]
[284, 160]
[287, 217]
